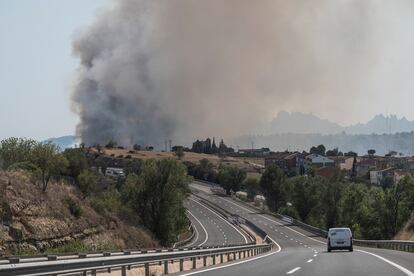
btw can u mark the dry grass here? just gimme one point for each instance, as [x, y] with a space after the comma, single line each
[407, 233]
[247, 164]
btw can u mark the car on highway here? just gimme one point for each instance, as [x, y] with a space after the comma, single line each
[339, 238]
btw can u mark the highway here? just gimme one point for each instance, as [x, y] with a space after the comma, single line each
[302, 253]
[211, 229]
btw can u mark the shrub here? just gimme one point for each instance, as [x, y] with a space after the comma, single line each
[87, 181]
[74, 208]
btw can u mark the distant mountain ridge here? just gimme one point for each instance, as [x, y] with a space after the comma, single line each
[297, 122]
[64, 142]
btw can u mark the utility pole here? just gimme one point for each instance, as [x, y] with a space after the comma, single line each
[165, 144]
[170, 143]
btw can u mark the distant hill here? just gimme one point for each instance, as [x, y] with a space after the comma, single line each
[64, 142]
[382, 143]
[297, 122]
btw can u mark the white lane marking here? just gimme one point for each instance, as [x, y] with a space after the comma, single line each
[202, 226]
[237, 230]
[237, 263]
[315, 255]
[403, 269]
[293, 270]
[309, 261]
[272, 220]
[196, 231]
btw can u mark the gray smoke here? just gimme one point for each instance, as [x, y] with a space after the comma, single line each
[179, 69]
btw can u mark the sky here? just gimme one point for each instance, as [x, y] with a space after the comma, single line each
[355, 56]
[36, 65]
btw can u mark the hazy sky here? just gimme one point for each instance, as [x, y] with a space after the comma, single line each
[368, 45]
[36, 64]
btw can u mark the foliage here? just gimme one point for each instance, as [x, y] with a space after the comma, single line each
[109, 200]
[77, 161]
[305, 193]
[273, 185]
[74, 208]
[156, 195]
[15, 150]
[230, 178]
[87, 181]
[252, 186]
[318, 150]
[371, 212]
[49, 161]
[203, 171]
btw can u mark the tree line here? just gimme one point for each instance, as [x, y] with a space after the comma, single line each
[371, 212]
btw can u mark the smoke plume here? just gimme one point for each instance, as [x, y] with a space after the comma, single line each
[152, 70]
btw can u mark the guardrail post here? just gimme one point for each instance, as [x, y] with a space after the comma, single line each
[51, 257]
[165, 267]
[239, 255]
[14, 260]
[94, 272]
[221, 258]
[214, 259]
[205, 261]
[181, 264]
[123, 271]
[147, 272]
[194, 262]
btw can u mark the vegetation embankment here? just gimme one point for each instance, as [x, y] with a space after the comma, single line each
[60, 201]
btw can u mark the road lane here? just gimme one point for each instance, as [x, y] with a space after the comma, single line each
[219, 231]
[299, 246]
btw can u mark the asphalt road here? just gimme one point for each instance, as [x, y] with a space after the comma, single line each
[211, 228]
[301, 253]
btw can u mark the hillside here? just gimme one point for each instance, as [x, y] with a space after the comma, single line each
[249, 165]
[33, 221]
[407, 233]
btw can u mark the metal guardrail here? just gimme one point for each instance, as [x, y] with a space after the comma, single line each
[188, 240]
[407, 246]
[123, 262]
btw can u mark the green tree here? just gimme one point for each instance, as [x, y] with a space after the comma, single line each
[400, 203]
[252, 187]
[331, 199]
[318, 150]
[77, 161]
[230, 178]
[305, 194]
[49, 161]
[273, 185]
[15, 150]
[156, 195]
[87, 181]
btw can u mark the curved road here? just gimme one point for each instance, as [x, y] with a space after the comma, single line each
[304, 254]
[211, 229]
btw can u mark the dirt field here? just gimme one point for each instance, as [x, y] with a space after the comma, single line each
[250, 165]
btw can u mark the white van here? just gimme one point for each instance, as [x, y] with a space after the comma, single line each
[114, 172]
[340, 238]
